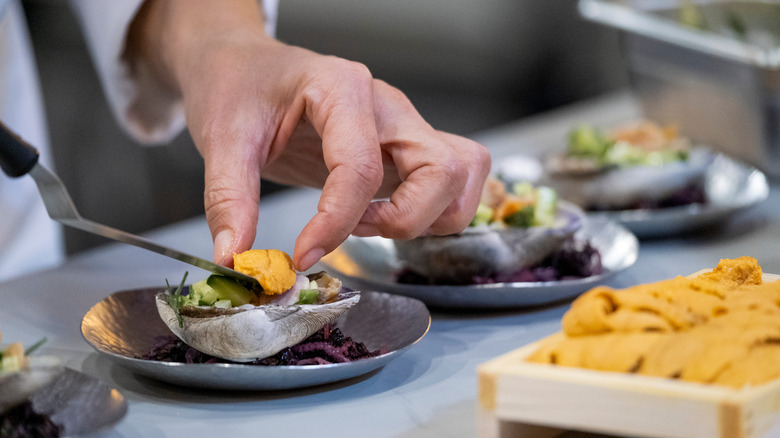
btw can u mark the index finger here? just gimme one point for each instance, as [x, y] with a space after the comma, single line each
[342, 113]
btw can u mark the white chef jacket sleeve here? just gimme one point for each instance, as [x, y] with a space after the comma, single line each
[141, 105]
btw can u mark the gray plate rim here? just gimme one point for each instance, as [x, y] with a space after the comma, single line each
[262, 378]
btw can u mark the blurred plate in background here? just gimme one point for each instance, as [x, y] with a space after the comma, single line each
[370, 263]
[76, 402]
[730, 186]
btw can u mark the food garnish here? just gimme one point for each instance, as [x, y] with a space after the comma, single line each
[522, 207]
[15, 357]
[643, 143]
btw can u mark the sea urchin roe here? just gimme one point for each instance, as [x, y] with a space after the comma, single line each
[272, 268]
[721, 328]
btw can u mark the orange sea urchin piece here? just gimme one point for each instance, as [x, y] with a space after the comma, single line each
[272, 268]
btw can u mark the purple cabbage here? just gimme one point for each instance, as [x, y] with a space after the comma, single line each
[575, 259]
[328, 345]
[22, 421]
[688, 195]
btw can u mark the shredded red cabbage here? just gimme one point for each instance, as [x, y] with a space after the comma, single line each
[691, 194]
[22, 421]
[328, 345]
[575, 259]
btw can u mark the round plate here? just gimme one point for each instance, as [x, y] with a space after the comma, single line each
[125, 324]
[730, 186]
[370, 263]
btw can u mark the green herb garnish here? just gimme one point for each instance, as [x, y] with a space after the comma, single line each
[737, 24]
[175, 298]
[34, 347]
[522, 218]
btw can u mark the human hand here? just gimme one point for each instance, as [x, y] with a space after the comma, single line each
[257, 107]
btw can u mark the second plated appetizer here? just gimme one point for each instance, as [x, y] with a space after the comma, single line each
[512, 229]
[641, 165]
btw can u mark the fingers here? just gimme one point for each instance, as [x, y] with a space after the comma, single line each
[442, 174]
[232, 193]
[342, 112]
[439, 196]
[233, 148]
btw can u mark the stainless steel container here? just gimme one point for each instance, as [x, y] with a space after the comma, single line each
[719, 82]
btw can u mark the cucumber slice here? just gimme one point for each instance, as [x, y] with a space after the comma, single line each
[229, 289]
[308, 296]
[224, 304]
[201, 294]
[483, 215]
[546, 204]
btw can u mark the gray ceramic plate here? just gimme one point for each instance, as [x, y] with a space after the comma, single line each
[370, 263]
[730, 186]
[77, 402]
[125, 324]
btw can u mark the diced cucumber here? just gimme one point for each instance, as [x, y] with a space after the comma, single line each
[523, 189]
[483, 216]
[229, 289]
[587, 141]
[201, 294]
[10, 364]
[625, 154]
[224, 304]
[546, 205]
[308, 296]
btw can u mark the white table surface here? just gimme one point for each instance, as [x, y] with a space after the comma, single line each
[429, 391]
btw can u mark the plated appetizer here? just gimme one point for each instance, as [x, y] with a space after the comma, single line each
[18, 380]
[641, 165]
[219, 318]
[520, 233]
[40, 397]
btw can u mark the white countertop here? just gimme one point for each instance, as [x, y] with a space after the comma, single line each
[429, 391]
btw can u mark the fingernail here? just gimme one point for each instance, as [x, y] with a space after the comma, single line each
[223, 247]
[311, 257]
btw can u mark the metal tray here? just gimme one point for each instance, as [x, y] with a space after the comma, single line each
[720, 90]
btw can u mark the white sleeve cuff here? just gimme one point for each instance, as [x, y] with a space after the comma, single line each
[141, 105]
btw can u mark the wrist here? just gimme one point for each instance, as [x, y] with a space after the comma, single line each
[168, 38]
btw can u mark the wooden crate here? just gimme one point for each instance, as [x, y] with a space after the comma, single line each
[522, 399]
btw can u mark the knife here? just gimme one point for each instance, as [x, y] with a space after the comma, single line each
[18, 158]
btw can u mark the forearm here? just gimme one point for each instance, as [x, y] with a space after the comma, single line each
[167, 38]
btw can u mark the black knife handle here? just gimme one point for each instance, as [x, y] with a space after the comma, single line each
[16, 156]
